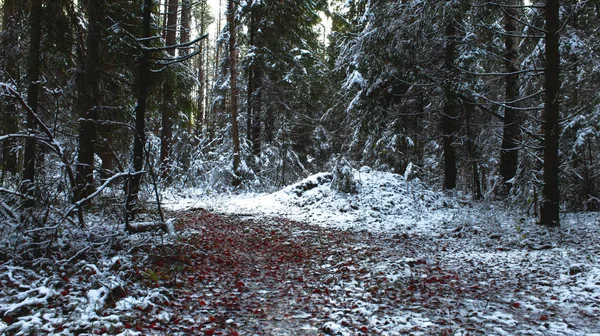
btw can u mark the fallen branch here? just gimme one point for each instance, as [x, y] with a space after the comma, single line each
[166, 226]
[106, 183]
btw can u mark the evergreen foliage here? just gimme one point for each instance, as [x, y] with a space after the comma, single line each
[456, 90]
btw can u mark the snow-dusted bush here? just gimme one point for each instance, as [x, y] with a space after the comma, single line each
[343, 178]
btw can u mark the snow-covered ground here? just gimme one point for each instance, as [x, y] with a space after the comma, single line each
[385, 202]
[552, 275]
[399, 258]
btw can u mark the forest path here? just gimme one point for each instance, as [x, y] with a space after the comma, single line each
[245, 276]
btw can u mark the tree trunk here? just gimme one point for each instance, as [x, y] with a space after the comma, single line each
[472, 149]
[255, 79]
[33, 75]
[509, 154]
[250, 91]
[186, 19]
[91, 97]
[165, 16]
[199, 119]
[231, 9]
[450, 113]
[184, 101]
[168, 103]
[214, 108]
[270, 123]
[549, 214]
[139, 141]
[9, 119]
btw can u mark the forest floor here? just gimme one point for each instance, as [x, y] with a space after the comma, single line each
[394, 259]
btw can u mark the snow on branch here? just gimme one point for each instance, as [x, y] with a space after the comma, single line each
[45, 130]
[176, 46]
[106, 183]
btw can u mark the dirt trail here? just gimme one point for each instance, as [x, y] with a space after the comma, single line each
[240, 276]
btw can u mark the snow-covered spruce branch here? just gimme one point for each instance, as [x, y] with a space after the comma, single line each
[493, 3]
[14, 193]
[175, 46]
[172, 61]
[7, 210]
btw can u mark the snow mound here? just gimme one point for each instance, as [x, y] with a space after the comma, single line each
[383, 202]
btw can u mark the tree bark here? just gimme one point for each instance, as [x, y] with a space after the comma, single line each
[509, 154]
[549, 212]
[199, 118]
[9, 65]
[33, 75]
[90, 101]
[211, 125]
[186, 19]
[139, 141]
[472, 149]
[231, 9]
[168, 104]
[165, 4]
[255, 80]
[450, 112]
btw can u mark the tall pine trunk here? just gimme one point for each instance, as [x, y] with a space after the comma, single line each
[33, 76]
[212, 124]
[231, 9]
[184, 102]
[549, 212]
[199, 118]
[186, 19]
[255, 80]
[9, 67]
[509, 154]
[139, 141]
[168, 91]
[471, 145]
[450, 111]
[91, 97]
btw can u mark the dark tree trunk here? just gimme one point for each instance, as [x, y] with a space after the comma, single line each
[549, 214]
[186, 19]
[139, 141]
[165, 16]
[270, 123]
[9, 119]
[199, 118]
[472, 149]
[107, 156]
[168, 103]
[250, 91]
[90, 101]
[231, 9]
[450, 112]
[255, 79]
[184, 102]
[214, 108]
[33, 75]
[509, 153]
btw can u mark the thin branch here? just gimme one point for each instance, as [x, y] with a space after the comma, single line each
[504, 104]
[106, 183]
[176, 46]
[499, 74]
[55, 145]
